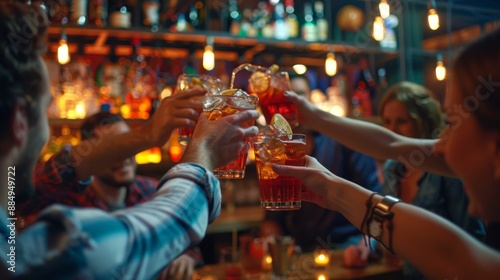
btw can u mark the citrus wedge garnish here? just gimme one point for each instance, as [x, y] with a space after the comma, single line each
[272, 69]
[197, 81]
[281, 123]
[229, 91]
[259, 82]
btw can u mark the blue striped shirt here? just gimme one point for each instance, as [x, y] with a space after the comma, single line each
[134, 243]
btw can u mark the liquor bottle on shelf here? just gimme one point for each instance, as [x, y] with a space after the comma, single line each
[264, 20]
[120, 14]
[291, 19]
[110, 83]
[234, 18]
[309, 29]
[79, 12]
[195, 16]
[138, 83]
[98, 12]
[58, 10]
[151, 14]
[321, 22]
[280, 26]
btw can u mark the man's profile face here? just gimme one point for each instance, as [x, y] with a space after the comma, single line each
[38, 134]
[121, 173]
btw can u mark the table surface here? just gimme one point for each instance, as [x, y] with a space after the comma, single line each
[304, 269]
[239, 218]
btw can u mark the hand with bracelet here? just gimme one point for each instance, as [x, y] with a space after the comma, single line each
[407, 230]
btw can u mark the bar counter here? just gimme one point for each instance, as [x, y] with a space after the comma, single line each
[237, 219]
[304, 269]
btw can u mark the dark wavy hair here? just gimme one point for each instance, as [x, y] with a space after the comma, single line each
[97, 121]
[23, 28]
[422, 108]
[476, 74]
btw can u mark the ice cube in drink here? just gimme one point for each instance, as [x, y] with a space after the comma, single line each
[218, 106]
[189, 81]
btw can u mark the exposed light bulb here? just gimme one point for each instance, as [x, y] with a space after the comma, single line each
[384, 9]
[330, 64]
[433, 19]
[208, 55]
[378, 29]
[208, 58]
[63, 52]
[440, 71]
[299, 68]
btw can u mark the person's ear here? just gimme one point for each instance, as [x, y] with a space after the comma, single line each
[19, 126]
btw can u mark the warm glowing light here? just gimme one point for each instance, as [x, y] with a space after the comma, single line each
[267, 262]
[80, 111]
[384, 9]
[378, 29]
[440, 71]
[63, 52]
[166, 92]
[330, 64]
[321, 257]
[338, 111]
[317, 96]
[152, 155]
[433, 19]
[321, 277]
[208, 58]
[299, 68]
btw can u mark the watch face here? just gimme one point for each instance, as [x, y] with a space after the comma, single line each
[375, 229]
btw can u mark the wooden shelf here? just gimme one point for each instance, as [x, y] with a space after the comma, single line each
[95, 40]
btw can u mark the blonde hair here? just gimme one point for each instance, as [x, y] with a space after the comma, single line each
[422, 108]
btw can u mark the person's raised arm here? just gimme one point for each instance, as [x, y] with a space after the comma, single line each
[371, 139]
[432, 244]
[178, 110]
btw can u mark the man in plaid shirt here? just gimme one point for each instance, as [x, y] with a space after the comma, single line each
[110, 189]
[75, 243]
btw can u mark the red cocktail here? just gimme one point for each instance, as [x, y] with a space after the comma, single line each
[279, 192]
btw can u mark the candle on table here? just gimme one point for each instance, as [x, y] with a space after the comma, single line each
[321, 258]
[267, 262]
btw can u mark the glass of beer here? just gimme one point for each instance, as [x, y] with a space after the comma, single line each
[228, 102]
[189, 81]
[279, 192]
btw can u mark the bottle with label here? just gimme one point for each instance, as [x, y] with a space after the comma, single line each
[321, 22]
[309, 29]
[280, 26]
[291, 19]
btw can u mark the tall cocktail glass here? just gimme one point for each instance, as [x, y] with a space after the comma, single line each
[279, 192]
[216, 106]
[189, 81]
[269, 85]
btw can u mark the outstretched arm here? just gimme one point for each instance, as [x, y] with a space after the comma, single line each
[179, 110]
[371, 139]
[417, 236]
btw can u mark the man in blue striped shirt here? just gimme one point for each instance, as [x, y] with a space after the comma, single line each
[70, 243]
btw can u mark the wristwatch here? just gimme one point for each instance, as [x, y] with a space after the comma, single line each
[380, 213]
